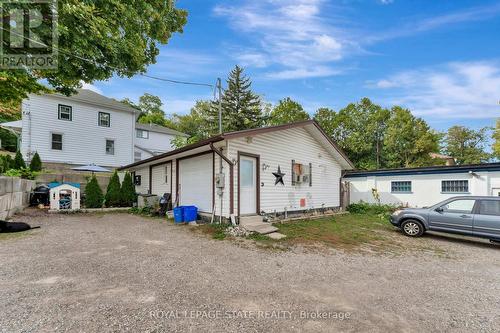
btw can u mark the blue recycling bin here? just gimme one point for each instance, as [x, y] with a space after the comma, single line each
[179, 214]
[190, 213]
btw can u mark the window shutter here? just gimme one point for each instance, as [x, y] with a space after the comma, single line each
[310, 174]
[293, 172]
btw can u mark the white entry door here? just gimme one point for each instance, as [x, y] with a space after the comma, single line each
[248, 185]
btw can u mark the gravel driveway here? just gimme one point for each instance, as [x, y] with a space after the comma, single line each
[119, 272]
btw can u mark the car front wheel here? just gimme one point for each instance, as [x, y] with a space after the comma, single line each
[412, 228]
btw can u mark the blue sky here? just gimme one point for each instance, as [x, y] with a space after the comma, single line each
[441, 58]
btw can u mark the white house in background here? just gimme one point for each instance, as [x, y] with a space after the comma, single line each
[419, 187]
[152, 140]
[287, 168]
[87, 128]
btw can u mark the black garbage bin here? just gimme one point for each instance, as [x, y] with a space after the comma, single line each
[165, 204]
[40, 195]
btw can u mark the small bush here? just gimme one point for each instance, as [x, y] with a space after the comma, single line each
[24, 173]
[113, 196]
[19, 161]
[36, 163]
[128, 195]
[6, 163]
[93, 194]
[367, 208]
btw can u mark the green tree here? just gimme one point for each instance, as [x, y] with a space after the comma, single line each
[496, 142]
[408, 140]
[93, 194]
[128, 195]
[287, 111]
[36, 163]
[325, 117]
[113, 196]
[195, 124]
[9, 112]
[19, 161]
[241, 107]
[466, 145]
[359, 129]
[98, 40]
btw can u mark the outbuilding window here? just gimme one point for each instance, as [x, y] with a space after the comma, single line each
[401, 187]
[455, 186]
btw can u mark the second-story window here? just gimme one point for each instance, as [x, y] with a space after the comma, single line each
[142, 134]
[65, 112]
[104, 119]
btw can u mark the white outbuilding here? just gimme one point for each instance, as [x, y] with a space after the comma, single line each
[64, 196]
[420, 187]
[273, 170]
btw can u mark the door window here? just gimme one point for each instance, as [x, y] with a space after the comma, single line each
[459, 206]
[489, 207]
[246, 168]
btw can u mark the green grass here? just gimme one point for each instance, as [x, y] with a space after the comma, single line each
[344, 231]
[348, 232]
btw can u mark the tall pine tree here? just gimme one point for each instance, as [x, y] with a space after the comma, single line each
[241, 107]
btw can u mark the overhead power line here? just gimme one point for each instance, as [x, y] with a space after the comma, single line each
[68, 53]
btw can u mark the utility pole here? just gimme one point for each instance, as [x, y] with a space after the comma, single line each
[219, 87]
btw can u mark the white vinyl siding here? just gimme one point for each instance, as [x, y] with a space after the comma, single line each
[161, 179]
[156, 142]
[279, 148]
[144, 187]
[83, 138]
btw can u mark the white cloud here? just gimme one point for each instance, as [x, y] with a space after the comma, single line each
[453, 90]
[91, 87]
[386, 2]
[436, 22]
[301, 73]
[290, 34]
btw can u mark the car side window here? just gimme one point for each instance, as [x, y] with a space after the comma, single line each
[489, 207]
[464, 206]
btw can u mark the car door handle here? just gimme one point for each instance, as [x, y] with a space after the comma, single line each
[465, 216]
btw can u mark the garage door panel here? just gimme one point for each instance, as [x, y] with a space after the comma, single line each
[195, 182]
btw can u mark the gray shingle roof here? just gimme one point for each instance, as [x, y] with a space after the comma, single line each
[159, 129]
[91, 97]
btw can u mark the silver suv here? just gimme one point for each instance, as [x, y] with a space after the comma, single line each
[471, 216]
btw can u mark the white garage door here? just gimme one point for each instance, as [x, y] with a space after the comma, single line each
[195, 182]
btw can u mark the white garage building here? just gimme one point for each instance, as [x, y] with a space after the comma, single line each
[419, 187]
[292, 167]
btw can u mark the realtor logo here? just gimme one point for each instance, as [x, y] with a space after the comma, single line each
[28, 36]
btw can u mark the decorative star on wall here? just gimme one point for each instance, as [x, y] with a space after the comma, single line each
[279, 177]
